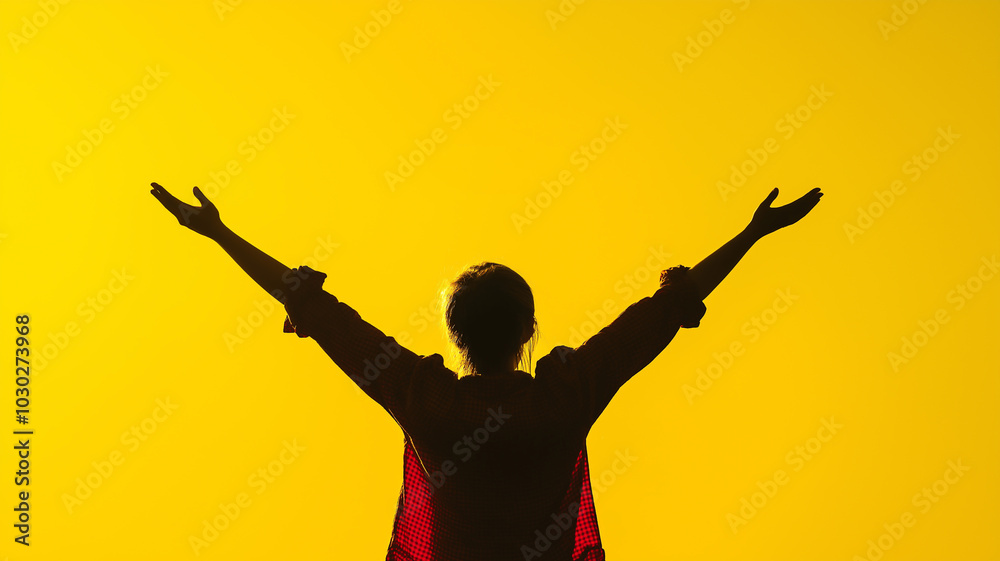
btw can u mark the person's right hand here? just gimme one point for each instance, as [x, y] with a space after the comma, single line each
[204, 219]
[767, 219]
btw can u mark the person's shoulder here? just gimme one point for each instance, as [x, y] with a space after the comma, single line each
[433, 365]
[431, 382]
[559, 359]
[560, 389]
[558, 371]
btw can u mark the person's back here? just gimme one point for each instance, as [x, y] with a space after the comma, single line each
[507, 477]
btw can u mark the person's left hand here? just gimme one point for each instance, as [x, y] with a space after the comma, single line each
[204, 219]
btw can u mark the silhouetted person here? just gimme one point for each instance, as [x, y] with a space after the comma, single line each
[494, 463]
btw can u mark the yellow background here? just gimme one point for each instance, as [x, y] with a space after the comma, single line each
[163, 335]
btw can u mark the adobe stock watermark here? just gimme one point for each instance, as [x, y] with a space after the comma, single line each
[914, 168]
[923, 501]
[609, 476]
[376, 365]
[30, 26]
[225, 7]
[563, 11]
[455, 116]
[757, 157]
[626, 286]
[697, 43]
[250, 149]
[247, 325]
[391, 348]
[581, 158]
[927, 329]
[132, 439]
[259, 481]
[122, 106]
[421, 320]
[899, 17]
[796, 459]
[365, 33]
[87, 310]
[465, 447]
[544, 537]
[752, 329]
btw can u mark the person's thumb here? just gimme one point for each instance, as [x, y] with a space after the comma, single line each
[770, 197]
[201, 197]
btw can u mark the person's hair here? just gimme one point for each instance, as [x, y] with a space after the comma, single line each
[488, 311]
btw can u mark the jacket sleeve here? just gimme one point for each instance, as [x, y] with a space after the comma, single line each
[389, 373]
[593, 372]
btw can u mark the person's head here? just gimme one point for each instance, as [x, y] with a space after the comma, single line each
[490, 315]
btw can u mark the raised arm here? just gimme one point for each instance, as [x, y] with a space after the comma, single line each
[268, 272]
[708, 273]
[273, 276]
[392, 375]
[600, 366]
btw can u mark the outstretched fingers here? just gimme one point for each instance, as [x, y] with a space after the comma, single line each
[169, 202]
[813, 194]
[812, 198]
[163, 195]
[806, 203]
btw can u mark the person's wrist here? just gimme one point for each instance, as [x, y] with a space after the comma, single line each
[218, 233]
[754, 231]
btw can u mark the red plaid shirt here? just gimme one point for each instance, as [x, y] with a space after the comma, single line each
[494, 467]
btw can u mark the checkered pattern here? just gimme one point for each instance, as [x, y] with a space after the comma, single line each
[495, 467]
